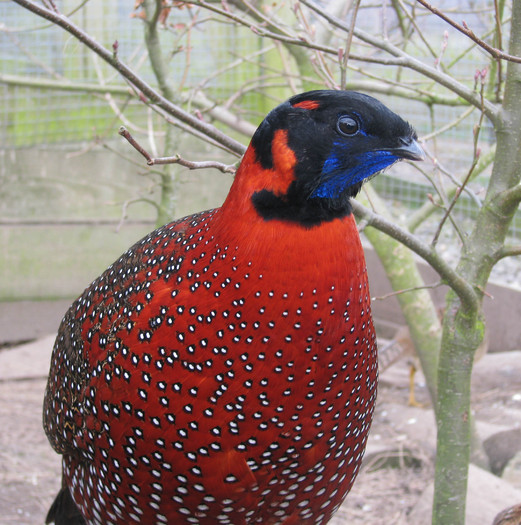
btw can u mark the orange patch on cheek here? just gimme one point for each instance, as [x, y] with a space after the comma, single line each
[307, 104]
[284, 161]
[252, 178]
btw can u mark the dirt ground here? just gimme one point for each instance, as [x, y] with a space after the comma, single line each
[398, 467]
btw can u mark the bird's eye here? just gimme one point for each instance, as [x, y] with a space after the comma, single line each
[347, 125]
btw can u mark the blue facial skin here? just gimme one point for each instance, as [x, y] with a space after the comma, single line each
[337, 179]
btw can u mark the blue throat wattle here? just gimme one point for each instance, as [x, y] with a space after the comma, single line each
[336, 178]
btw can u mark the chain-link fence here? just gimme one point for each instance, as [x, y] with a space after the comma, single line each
[51, 95]
[51, 83]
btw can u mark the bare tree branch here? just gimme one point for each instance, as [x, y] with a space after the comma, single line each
[423, 212]
[407, 290]
[496, 53]
[510, 196]
[349, 40]
[63, 85]
[462, 288]
[403, 59]
[132, 77]
[459, 190]
[198, 99]
[175, 159]
[509, 251]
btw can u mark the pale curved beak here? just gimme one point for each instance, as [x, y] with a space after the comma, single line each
[409, 149]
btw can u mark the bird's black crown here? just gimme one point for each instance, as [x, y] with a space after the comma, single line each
[340, 139]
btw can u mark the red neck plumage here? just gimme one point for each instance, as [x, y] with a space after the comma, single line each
[333, 243]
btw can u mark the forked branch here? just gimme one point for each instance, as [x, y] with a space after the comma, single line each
[461, 287]
[137, 81]
[498, 54]
[175, 159]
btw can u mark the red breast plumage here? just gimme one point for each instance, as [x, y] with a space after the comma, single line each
[224, 369]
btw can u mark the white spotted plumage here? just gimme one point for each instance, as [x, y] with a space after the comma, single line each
[223, 370]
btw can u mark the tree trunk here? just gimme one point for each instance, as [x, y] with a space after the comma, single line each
[463, 328]
[169, 184]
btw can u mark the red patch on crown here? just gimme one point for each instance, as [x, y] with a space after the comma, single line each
[307, 104]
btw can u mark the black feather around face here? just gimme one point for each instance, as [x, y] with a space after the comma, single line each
[340, 139]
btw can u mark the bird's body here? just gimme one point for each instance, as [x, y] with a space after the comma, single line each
[223, 370]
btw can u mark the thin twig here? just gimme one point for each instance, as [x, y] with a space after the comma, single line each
[51, 5]
[147, 90]
[126, 205]
[448, 211]
[448, 174]
[419, 32]
[120, 115]
[207, 164]
[232, 65]
[191, 131]
[496, 53]
[405, 60]
[499, 37]
[450, 125]
[128, 136]
[422, 213]
[467, 178]
[461, 287]
[260, 16]
[175, 159]
[286, 68]
[31, 56]
[407, 290]
[150, 132]
[127, 158]
[349, 40]
[22, 29]
[398, 89]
